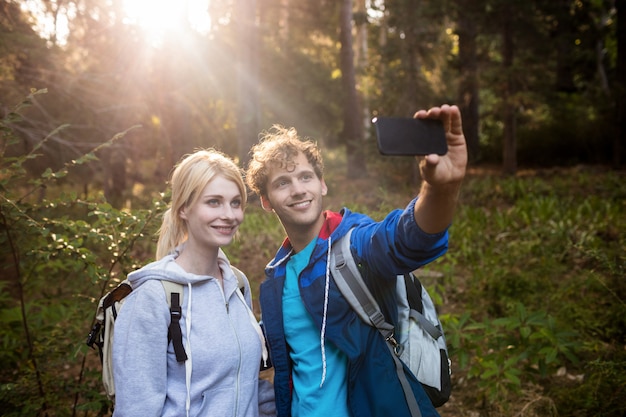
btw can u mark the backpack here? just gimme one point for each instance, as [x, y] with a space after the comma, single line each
[101, 334]
[418, 341]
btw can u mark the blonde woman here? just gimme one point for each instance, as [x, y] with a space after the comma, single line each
[217, 374]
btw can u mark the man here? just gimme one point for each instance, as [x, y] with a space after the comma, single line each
[326, 361]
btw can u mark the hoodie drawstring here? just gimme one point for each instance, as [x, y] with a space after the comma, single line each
[326, 295]
[257, 327]
[323, 331]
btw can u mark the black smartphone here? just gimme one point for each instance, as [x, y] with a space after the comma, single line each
[408, 136]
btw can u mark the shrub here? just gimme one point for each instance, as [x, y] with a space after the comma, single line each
[59, 256]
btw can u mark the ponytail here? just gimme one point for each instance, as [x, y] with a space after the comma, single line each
[171, 234]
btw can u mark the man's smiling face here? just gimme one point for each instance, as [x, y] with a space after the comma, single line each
[295, 194]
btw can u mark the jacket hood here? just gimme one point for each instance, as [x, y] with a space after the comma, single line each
[335, 226]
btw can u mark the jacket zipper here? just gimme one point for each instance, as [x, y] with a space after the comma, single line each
[227, 305]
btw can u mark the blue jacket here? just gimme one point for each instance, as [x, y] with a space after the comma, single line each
[384, 249]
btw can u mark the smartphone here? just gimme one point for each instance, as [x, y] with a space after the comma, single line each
[408, 136]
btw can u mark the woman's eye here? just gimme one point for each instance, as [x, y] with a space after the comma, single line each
[213, 202]
[236, 203]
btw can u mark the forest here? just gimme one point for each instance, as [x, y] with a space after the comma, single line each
[100, 99]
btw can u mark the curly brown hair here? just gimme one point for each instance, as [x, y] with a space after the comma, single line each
[278, 147]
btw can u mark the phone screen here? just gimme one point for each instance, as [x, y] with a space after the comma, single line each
[409, 136]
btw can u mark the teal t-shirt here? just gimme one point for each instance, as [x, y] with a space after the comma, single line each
[304, 339]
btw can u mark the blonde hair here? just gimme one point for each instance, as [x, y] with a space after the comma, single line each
[189, 178]
[278, 148]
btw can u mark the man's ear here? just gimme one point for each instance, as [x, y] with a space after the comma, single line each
[324, 187]
[265, 203]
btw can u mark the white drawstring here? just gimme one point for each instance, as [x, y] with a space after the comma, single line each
[256, 326]
[323, 332]
[326, 292]
[280, 261]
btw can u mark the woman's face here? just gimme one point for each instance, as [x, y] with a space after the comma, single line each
[214, 218]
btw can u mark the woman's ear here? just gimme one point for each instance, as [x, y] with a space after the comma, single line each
[182, 214]
[265, 203]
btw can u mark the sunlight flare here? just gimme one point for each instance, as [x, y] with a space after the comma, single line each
[158, 17]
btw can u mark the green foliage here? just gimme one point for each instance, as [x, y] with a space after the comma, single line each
[541, 264]
[59, 256]
[255, 244]
[519, 347]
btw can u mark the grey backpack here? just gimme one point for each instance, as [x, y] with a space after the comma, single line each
[101, 334]
[418, 340]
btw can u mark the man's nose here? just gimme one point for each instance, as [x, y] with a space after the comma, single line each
[297, 188]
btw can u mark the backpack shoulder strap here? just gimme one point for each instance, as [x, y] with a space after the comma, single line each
[240, 279]
[348, 278]
[349, 281]
[174, 295]
[117, 294]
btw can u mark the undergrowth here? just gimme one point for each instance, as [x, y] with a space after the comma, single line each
[531, 291]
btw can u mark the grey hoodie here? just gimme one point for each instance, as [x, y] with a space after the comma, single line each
[221, 338]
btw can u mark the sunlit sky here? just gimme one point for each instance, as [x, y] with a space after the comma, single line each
[156, 17]
[160, 15]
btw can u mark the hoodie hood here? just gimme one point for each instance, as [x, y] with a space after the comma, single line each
[167, 269]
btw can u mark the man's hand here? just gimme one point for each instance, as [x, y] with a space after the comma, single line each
[448, 169]
[443, 174]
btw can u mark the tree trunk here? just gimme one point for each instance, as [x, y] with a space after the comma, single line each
[362, 61]
[247, 80]
[468, 88]
[352, 126]
[564, 37]
[618, 141]
[509, 156]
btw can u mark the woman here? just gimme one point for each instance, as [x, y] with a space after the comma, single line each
[222, 340]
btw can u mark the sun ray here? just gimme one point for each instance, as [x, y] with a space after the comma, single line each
[160, 18]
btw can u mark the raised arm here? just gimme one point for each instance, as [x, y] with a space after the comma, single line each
[442, 175]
